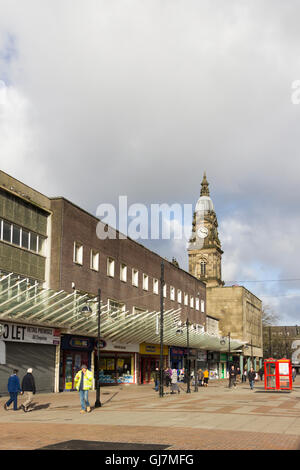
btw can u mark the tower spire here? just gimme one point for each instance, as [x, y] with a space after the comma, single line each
[204, 186]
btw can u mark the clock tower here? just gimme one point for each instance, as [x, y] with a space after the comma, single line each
[204, 250]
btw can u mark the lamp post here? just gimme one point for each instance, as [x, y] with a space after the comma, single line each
[98, 402]
[86, 311]
[188, 388]
[161, 364]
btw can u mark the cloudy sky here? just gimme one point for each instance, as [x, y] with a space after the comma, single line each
[138, 97]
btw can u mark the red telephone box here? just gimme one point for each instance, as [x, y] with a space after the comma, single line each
[278, 374]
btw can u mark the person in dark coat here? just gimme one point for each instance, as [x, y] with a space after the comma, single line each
[28, 388]
[13, 388]
[251, 377]
[232, 377]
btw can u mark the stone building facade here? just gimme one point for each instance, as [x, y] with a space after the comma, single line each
[239, 311]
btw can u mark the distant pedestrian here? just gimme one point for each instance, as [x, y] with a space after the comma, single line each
[238, 375]
[174, 382]
[13, 388]
[206, 377]
[167, 376]
[232, 377]
[244, 377]
[83, 383]
[201, 377]
[28, 388]
[261, 373]
[251, 377]
[156, 379]
[294, 373]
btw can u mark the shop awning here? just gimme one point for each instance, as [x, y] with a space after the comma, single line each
[24, 301]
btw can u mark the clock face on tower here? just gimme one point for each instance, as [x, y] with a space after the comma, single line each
[202, 232]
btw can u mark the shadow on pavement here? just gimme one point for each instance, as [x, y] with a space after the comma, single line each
[100, 445]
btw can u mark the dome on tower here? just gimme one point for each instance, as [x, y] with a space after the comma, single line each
[204, 204]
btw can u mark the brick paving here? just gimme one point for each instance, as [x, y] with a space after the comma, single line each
[214, 418]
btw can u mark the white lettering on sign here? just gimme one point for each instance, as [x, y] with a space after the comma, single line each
[30, 334]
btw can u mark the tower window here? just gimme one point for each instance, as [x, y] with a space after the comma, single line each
[203, 268]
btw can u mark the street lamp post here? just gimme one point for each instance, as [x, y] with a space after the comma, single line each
[98, 402]
[161, 365]
[188, 388]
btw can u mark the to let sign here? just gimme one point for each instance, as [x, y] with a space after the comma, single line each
[30, 334]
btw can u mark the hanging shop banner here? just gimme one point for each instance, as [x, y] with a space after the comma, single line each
[30, 334]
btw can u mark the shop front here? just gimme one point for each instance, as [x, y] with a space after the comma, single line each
[213, 359]
[25, 346]
[118, 362]
[150, 360]
[75, 351]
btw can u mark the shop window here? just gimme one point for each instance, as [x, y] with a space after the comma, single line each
[155, 286]
[78, 253]
[94, 260]
[135, 277]
[123, 272]
[145, 282]
[110, 267]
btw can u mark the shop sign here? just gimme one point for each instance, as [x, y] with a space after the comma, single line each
[153, 349]
[108, 345]
[30, 334]
[202, 356]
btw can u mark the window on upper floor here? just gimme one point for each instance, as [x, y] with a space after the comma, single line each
[155, 286]
[145, 282]
[186, 299]
[111, 267]
[78, 253]
[94, 261]
[202, 306]
[123, 272]
[135, 277]
[172, 293]
[192, 301]
[179, 296]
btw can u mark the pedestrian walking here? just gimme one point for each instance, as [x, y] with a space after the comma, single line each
[205, 377]
[13, 387]
[294, 373]
[238, 375]
[174, 382]
[28, 388]
[251, 377]
[232, 377]
[244, 377]
[83, 383]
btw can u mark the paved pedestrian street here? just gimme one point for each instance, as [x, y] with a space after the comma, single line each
[215, 417]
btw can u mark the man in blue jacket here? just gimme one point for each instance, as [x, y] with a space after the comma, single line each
[13, 388]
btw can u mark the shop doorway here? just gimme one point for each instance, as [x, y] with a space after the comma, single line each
[72, 360]
[147, 369]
